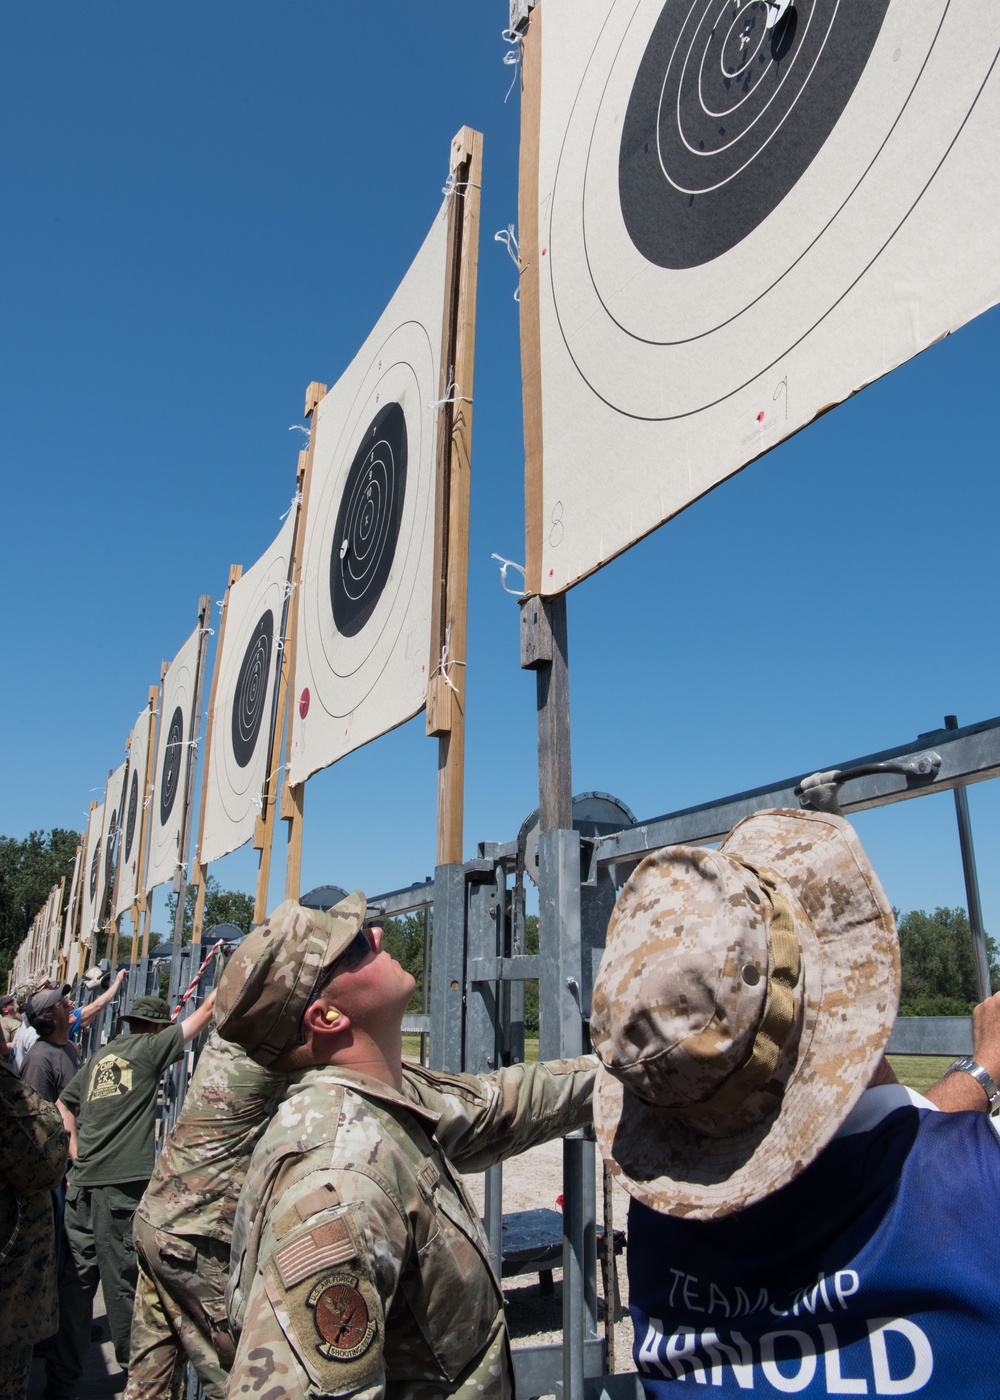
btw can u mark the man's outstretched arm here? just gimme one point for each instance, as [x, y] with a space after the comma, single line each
[960, 1091]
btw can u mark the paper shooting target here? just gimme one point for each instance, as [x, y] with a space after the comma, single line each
[365, 609]
[112, 822]
[133, 807]
[170, 770]
[95, 870]
[243, 700]
[93, 874]
[738, 226]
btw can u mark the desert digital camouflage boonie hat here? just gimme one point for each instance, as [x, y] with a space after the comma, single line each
[270, 978]
[742, 1003]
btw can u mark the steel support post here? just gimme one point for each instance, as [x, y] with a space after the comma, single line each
[448, 982]
[979, 954]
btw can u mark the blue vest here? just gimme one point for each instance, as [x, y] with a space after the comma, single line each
[875, 1272]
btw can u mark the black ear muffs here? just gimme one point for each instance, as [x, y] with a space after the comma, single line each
[42, 1023]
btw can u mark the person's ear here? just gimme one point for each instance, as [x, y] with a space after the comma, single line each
[323, 1019]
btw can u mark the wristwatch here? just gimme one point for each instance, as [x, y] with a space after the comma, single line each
[969, 1066]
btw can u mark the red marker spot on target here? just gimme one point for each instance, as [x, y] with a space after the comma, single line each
[760, 416]
[304, 703]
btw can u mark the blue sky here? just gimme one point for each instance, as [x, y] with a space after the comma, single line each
[206, 207]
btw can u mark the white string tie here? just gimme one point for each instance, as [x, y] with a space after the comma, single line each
[296, 500]
[445, 663]
[298, 428]
[451, 395]
[149, 799]
[506, 564]
[508, 238]
[206, 631]
[289, 588]
[512, 58]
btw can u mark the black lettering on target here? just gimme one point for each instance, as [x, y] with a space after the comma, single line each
[170, 777]
[726, 115]
[250, 695]
[368, 521]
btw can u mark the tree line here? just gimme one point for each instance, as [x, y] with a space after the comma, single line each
[936, 949]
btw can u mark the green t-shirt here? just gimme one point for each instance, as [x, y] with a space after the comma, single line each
[115, 1097]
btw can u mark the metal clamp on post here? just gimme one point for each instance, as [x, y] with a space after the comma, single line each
[820, 791]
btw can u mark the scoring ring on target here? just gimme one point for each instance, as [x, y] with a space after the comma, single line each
[795, 214]
[366, 549]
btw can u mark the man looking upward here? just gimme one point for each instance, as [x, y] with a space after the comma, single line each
[359, 1264]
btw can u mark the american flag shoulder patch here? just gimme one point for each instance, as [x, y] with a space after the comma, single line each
[317, 1249]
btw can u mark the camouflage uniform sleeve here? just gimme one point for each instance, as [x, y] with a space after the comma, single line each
[332, 1251]
[33, 1143]
[486, 1118]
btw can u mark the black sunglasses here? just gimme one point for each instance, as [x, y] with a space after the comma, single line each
[353, 955]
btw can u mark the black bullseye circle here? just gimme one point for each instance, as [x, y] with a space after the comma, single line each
[250, 695]
[368, 521]
[95, 868]
[133, 812]
[726, 115]
[109, 853]
[170, 777]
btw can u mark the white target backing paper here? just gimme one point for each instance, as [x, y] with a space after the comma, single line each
[365, 610]
[244, 700]
[132, 808]
[738, 227]
[173, 740]
[94, 887]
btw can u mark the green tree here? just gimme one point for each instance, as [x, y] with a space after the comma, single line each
[939, 977]
[531, 988]
[221, 907]
[28, 870]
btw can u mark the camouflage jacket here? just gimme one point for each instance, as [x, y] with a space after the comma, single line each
[359, 1264]
[198, 1174]
[33, 1157]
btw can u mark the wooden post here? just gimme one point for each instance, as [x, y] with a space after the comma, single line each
[201, 867]
[143, 903]
[292, 798]
[194, 728]
[263, 837]
[531, 352]
[447, 684]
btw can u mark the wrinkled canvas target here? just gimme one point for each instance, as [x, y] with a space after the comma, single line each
[739, 226]
[365, 609]
[170, 767]
[132, 809]
[94, 887]
[243, 706]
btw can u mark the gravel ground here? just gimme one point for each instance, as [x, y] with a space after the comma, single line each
[530, 1181]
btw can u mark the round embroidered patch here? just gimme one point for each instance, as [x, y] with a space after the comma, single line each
[341, 1317]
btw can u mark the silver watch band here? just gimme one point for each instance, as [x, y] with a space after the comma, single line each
[970, 1066]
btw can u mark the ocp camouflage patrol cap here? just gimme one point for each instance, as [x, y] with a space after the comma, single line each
[271, 977]
[743, 1000]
